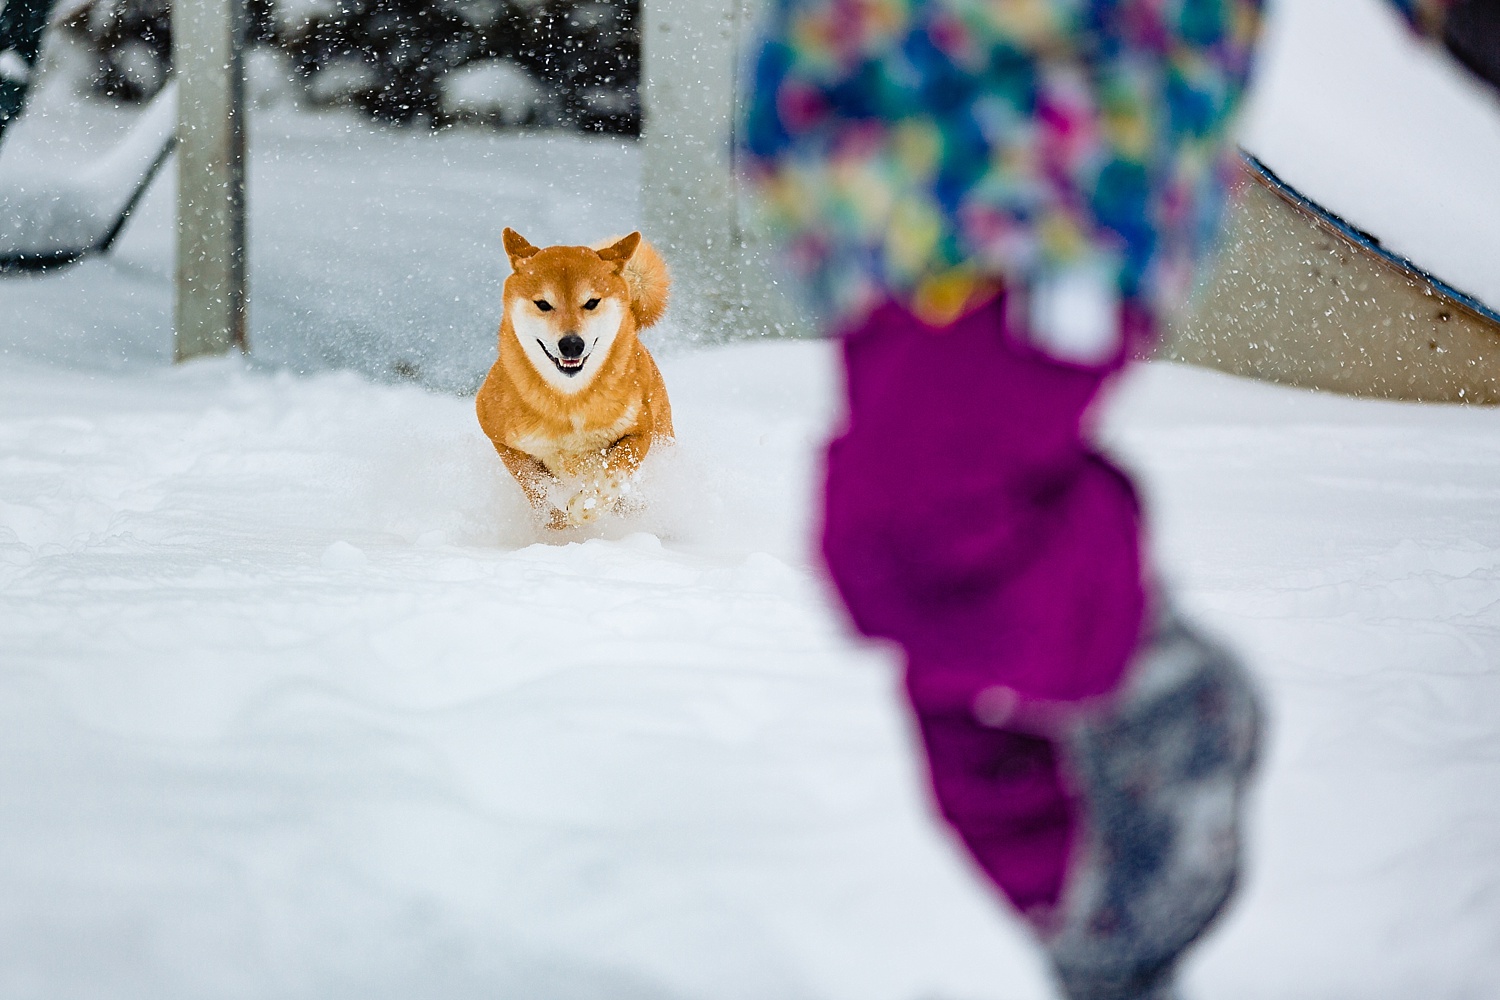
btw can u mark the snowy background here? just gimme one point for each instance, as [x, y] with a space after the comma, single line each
[297, 704]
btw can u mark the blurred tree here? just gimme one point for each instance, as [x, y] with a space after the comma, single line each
[132, 43]
[406, 44]
[389, 57]
[589, 53]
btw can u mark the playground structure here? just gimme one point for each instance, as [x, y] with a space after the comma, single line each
[62, 220]
[1299, 296]
[692, 51]
[50, 219]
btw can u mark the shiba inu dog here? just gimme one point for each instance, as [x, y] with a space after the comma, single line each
[574, 401]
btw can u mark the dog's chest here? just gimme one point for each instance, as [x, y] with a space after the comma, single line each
[563, 447]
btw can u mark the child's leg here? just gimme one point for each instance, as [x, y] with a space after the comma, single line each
[1003, 794]
[968, 518]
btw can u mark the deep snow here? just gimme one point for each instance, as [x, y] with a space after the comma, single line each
[296, 703]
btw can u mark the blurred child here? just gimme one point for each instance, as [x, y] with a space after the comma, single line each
[996, 202]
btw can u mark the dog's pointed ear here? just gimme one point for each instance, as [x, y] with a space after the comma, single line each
[516, 247]
[619, 253]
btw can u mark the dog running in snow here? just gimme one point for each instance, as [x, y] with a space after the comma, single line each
[574, 402]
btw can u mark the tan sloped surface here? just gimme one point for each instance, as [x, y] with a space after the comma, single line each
[1296, 301]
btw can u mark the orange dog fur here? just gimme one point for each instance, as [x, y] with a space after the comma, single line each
[574, 401]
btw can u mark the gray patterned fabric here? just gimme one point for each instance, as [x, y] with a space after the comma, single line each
[1162, 773]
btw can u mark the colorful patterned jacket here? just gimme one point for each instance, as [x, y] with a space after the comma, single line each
[915, 148]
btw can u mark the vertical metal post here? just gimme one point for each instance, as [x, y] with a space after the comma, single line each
[207, 52]
[692, 54]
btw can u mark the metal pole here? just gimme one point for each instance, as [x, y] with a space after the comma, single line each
[207, 52]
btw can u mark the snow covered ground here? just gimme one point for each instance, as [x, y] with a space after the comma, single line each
[295, 703]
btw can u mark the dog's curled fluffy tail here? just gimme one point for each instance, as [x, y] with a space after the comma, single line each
[646, 274]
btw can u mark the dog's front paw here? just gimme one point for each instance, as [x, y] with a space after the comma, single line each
[597, 497]
[585, 506]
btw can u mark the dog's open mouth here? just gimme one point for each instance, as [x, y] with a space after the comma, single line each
[568, 366]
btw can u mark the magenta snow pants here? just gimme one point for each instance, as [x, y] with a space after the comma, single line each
[968, 519]
[1090, 751]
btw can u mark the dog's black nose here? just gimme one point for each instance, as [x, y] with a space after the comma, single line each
[570, 346]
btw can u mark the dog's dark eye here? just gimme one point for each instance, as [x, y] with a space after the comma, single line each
[591, 304]
[543, 305]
